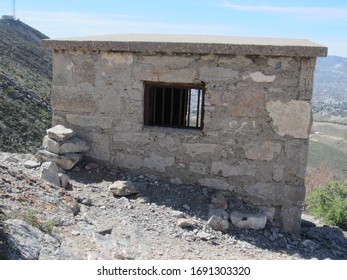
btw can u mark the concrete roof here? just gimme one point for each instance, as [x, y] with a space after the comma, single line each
[199, 44]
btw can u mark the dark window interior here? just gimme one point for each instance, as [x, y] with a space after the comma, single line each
[174, 105]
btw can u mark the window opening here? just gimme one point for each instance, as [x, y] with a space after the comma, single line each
[174, 105]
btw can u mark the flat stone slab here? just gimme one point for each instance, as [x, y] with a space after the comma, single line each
[248, 221]
[191, 44]
[72, 145]
[66, 161]
[60, 133]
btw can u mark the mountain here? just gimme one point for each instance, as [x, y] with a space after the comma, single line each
[25, 87]
[331, 77]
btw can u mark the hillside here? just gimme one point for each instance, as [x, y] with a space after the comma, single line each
[25, 87]
[330, 89]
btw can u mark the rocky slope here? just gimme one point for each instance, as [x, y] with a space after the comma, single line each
[86, 221]
[25, 87]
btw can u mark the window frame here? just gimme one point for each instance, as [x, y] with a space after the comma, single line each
[148, 111]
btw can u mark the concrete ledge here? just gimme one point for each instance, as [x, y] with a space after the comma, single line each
[196, 44]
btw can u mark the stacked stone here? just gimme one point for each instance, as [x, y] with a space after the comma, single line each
[62, 150]
[62, 147]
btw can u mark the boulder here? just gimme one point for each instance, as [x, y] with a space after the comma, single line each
[23, 240]
[124, 188]
[248, 220]
[58, 179]
[218, 223]
[50, 176]
[60, 133]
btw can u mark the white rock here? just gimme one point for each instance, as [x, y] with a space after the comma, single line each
[60, 133]
[248, 221]
[177, 214]
[124, 188]
[31, 164]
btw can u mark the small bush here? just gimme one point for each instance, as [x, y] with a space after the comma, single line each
[330, 203]
[46, 227]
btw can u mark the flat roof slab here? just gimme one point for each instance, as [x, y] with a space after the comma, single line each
[196, 44]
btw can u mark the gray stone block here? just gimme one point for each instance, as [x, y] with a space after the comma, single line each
[72, 145]
[248, 221]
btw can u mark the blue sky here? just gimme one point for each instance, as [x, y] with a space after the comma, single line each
[324, 22]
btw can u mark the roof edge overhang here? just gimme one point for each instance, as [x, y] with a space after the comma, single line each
[192, 44]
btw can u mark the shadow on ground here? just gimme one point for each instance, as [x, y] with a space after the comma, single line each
[313, 242]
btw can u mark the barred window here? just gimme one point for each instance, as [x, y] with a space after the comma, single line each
[174, 105]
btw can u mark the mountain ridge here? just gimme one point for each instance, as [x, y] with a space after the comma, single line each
[25, 87]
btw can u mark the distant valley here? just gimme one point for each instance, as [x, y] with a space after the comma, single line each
[330, 89]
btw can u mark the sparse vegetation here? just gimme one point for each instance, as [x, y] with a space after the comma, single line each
[31, 217]
[330, 203]
[319, 176]
[25, 87]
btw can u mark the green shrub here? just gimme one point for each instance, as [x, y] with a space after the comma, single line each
[330, 203]
[31, 218]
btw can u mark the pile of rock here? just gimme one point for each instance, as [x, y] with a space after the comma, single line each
[62, 147]
[62, 150]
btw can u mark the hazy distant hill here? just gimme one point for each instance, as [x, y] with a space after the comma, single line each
[25, 87]
[331, 77]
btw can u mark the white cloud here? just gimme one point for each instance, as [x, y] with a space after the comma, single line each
[317, 12]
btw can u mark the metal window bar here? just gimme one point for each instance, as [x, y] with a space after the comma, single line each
[154, 92]
[172, 103]
[163, 108]
[198, 109]
[189, 106]
[180, 109]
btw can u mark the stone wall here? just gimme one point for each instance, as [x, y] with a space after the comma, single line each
[256, 121]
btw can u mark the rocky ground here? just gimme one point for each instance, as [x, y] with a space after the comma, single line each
[163, 221]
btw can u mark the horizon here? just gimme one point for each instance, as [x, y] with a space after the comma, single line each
[322, 23]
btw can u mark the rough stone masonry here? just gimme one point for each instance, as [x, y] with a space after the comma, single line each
[256, 111]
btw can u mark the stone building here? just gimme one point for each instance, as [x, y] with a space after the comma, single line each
[223, 112]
